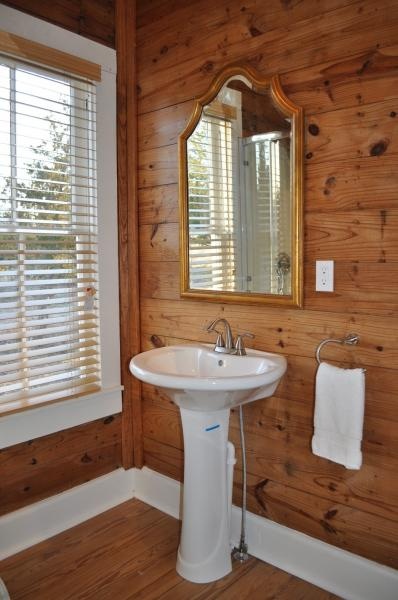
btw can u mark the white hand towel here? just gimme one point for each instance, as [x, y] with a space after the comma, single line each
[338, 418]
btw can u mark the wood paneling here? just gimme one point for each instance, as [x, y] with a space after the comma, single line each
[338, 60]
[137, 561]
[45, 466]
[94, 19]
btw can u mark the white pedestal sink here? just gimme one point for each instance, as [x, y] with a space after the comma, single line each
[206, 385]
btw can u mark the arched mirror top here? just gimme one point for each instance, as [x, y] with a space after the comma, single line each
[241, 163]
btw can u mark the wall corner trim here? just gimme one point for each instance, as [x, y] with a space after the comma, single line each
[342, 573]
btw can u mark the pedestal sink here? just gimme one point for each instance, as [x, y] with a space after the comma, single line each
[206, 385]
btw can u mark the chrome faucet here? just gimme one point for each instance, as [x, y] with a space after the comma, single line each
[227, 345]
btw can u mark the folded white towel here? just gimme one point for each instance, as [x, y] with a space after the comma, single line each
[339, 411]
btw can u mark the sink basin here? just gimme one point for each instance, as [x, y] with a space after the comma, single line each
[197, 378]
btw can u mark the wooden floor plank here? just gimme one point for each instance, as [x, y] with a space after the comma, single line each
[129, 552]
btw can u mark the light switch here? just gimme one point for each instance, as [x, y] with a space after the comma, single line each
[324, 276]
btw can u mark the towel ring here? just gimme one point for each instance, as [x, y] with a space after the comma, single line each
[351, 339]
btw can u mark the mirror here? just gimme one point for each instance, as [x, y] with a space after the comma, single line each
[241, 164]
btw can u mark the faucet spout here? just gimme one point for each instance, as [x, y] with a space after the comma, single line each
[228, 346]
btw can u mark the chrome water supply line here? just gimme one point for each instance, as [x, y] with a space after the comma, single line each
[240, 552]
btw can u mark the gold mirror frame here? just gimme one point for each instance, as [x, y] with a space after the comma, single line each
[260, 84]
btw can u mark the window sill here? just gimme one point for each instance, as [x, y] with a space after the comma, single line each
[36, 422]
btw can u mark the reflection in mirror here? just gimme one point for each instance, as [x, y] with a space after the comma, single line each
[240, 194]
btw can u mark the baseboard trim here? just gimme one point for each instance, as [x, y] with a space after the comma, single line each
[39, 521]
[342, 573]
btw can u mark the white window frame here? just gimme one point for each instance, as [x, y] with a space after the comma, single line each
[35, 422]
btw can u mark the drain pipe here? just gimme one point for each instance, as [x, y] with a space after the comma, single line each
[240, 552]
[231, 462]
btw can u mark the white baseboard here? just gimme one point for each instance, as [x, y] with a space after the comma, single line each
[342, 573]
[39, 521]
[159, 491]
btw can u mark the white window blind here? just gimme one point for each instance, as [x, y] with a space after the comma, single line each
[49, 327]
[212, 227]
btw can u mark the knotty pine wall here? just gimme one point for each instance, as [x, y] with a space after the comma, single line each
[48, 465]
[338, 59]
[42, 467]
[94, 19]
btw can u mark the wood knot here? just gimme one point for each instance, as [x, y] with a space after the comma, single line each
[330, 513]
[364, 66]
[108, 420]
[254, 32]
[156, 341]
[309, 155]
[313, 129]
[289, 468]
[208, 67]
[327, 526]
[383, 216]
[154, 231]
[379, 148]
[86, 458]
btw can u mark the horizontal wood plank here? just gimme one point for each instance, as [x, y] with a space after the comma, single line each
[289, 332]
[352, 81]
[175, 72]
[371, 130]
[46, 466]
[158, 204]
[94, 19]
[334, 523]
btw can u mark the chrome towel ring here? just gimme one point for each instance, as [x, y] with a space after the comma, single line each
[351, 339]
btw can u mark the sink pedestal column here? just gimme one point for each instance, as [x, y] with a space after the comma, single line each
[204, 554]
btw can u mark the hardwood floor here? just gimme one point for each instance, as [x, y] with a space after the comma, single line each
[130, 552]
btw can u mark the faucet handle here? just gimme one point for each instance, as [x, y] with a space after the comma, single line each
[240, 349]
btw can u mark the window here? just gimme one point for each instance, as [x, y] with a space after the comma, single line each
[49, 328]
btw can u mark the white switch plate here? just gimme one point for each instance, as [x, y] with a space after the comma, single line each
[324, 276]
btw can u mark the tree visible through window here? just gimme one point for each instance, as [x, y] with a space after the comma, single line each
[48, 265]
